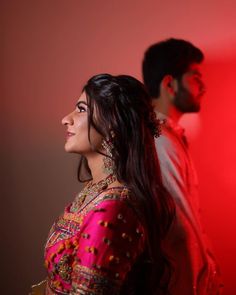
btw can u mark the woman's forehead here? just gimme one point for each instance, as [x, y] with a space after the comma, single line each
[83, 97]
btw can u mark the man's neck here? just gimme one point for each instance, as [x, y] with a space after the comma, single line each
[166, 108]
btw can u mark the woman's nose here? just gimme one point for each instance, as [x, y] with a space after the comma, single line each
[67, 120]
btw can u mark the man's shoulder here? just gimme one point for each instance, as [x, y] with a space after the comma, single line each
[170, 147]
[168, 138]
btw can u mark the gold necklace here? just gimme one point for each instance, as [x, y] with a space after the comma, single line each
[92, 190]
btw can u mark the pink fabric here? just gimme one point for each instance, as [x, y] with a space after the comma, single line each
[95, 248]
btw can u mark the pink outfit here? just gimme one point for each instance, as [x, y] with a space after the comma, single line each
[92, 250]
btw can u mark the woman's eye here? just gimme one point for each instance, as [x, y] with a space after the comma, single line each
[80, 109]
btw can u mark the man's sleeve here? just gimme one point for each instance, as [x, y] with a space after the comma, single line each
[173, 168]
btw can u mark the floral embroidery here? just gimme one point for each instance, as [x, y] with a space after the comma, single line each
[89, 252]
[93, 282]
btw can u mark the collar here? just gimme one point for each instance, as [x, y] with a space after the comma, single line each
[170, 123]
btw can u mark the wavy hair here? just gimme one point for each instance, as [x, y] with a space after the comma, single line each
[123, 106]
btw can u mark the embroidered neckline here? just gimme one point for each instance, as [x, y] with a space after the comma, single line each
[92, 190]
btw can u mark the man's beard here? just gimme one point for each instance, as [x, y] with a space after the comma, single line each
[185, 102]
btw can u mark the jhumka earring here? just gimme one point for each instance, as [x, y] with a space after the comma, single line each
[108, 162]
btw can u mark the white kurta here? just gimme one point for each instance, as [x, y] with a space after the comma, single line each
[195, 269]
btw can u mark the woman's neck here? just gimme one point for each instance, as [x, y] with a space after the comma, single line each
[96, 165]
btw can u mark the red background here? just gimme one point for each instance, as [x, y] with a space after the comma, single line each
[50, 48]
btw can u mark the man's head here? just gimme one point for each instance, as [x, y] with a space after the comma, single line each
[175, 66]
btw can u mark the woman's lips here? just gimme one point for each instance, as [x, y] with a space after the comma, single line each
[69, 134]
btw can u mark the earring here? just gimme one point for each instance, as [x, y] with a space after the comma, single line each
[108, 163]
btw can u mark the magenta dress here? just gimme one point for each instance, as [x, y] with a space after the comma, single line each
[94, 248]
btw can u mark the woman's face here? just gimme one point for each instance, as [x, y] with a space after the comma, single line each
[77, 140]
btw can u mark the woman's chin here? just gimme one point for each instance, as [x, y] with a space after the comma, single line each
[68, 148]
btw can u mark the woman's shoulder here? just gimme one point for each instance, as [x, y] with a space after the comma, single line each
[115, 201]
[116, 211]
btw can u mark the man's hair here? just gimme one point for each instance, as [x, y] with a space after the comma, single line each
[169, 57]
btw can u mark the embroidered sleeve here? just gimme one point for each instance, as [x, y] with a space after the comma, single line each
[111, 238]
[93, 253]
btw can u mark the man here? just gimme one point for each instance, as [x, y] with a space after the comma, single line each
[172, 75]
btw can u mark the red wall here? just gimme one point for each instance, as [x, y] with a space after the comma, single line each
[213, 145]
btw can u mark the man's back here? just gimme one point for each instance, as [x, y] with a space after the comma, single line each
[195, 270]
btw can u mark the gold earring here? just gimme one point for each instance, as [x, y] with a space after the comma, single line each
[108, 162]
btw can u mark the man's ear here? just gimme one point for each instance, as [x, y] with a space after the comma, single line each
[170, 85]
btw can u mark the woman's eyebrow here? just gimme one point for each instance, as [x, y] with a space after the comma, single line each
[81, 102]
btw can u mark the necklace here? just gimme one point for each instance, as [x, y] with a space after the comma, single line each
[92, 190]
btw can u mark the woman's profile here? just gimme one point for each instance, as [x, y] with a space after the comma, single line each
[108, 240]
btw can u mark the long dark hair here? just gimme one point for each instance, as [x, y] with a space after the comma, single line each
[124, 107]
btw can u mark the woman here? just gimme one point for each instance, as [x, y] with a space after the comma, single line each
[108, 240]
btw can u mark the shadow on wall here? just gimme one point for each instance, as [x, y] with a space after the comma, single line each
[214, 151]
